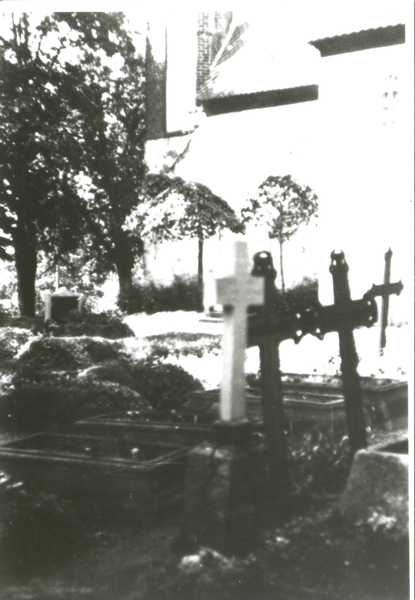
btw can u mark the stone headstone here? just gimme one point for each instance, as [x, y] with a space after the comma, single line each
[376, 493]
[60, 303]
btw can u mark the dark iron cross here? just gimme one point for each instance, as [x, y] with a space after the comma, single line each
[268, 326]
[385, 301]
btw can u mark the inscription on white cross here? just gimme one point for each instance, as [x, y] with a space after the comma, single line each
[235, 293]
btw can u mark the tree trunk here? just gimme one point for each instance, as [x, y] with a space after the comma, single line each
[123, 258]
[25, 247]
[125, 278]
[200, 271]
[281, 267]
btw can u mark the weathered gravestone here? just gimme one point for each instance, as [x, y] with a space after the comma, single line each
[377, 490]
[60, 303]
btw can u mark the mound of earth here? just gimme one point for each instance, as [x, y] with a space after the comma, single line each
[94, 325]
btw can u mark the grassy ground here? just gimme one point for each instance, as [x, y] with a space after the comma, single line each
[315, 555]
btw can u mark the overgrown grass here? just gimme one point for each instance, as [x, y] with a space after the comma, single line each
[313, 556]
[318, 463]
[163, 385]
[39, 531]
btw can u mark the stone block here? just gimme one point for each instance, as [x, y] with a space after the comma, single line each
[377, 492]
[222, 494]
[59, 304]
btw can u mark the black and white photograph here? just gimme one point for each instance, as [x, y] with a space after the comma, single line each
[206, 300]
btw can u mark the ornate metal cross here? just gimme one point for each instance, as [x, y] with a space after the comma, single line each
[385, 300]
[269, 326]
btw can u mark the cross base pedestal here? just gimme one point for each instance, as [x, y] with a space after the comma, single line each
[235, 433]
[224, 493]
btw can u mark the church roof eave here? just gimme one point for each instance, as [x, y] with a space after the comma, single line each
[367, 39]
[232, 103]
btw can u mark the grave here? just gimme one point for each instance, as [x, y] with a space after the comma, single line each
[59, 304]
[100, 470]
[385, 401]
[225, 476]
[177, 427]
[318, 401]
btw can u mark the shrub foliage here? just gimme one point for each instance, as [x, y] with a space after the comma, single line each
[183, 294]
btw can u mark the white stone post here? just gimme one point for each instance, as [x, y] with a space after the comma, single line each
[47, 299]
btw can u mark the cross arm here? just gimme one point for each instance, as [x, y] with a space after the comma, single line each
[259, 327]
[327, 319]
[385, 289]
[316, 320]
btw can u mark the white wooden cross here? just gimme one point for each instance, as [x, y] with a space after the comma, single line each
[235, 293]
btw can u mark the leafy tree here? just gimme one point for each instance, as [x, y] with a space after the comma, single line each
[114, 157]
[61, 127]
[175, 209]
[283, 205]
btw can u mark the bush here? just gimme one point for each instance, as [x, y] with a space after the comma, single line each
[11, 339]
[318, 463]
[49, 359]
[163, 385]
[106, 325]
[56, 407]
[300, 295]
[5, 315]
[183, 294]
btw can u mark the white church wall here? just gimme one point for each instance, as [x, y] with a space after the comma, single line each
[338, 145]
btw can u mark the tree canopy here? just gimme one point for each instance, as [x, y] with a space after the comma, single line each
[71, 126]
[282, 204]
[174, 209]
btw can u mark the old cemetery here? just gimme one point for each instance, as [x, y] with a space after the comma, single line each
[279, 485]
